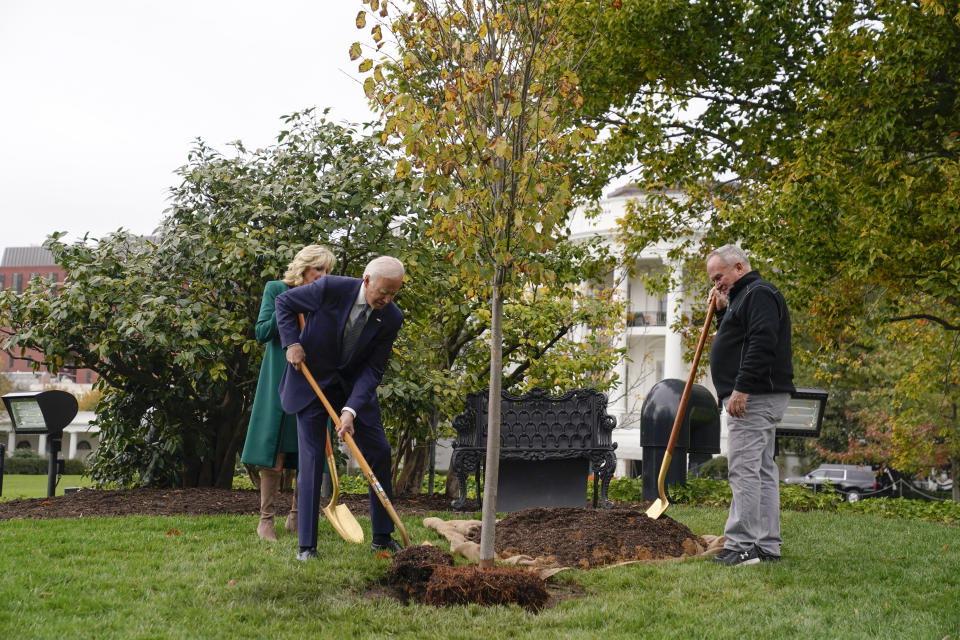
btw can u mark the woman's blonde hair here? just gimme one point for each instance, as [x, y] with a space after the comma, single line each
[312, 255]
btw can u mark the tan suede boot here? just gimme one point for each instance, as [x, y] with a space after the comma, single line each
[292, 516]
[269, 488]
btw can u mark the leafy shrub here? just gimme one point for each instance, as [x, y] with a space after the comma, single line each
[702, 492]
[947, 512]
[621, 490]
[707, 492]
[800, 498]
[242, 481]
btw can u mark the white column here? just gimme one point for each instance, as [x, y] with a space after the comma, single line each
[673, 364]
[620, 279]
[42, 444]
[11, 442]
[72, 448]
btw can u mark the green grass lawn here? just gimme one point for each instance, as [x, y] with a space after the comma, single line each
[845, 575]
[33, 486]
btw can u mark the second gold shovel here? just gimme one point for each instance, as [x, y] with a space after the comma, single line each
[660, 504]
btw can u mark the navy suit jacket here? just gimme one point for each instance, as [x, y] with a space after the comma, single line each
[325, 304]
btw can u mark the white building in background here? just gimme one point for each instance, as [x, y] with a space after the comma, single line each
[80, 438]
[654, 350]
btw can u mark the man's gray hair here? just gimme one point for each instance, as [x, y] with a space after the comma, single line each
[730, 254]
[384, 267]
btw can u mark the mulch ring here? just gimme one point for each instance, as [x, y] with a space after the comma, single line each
[427, 575]
[587, 538]
[194, 501]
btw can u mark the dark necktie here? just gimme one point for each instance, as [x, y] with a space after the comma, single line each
[352, 333]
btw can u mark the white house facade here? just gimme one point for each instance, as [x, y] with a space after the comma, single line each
[654, 350]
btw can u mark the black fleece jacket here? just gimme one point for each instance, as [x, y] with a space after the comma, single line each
[751, 351]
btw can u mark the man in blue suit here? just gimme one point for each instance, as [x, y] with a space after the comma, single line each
[350, 328]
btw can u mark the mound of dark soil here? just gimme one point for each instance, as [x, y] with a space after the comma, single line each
[587, 538]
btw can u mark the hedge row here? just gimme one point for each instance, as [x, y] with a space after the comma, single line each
[39, 466]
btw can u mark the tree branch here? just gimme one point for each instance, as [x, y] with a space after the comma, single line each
[925, 316]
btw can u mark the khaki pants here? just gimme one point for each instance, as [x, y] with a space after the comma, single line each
[754, 478]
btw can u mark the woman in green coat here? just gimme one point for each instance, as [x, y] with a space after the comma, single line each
[272, 434]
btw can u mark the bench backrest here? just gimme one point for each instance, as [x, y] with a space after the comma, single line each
[576, 420]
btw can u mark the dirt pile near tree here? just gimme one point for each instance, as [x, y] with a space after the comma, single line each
[586, 538]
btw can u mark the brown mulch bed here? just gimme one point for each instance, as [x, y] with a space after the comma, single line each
[200, 501]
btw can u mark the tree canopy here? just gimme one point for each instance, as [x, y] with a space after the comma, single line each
[822, 136]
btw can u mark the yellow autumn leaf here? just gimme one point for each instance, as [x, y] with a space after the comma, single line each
[361, 20]
[355, 51]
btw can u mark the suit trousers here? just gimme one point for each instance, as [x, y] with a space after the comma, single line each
[754, 518]
[311, 439]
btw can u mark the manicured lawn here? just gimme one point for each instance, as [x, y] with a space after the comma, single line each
[33, 486]
[845, 575]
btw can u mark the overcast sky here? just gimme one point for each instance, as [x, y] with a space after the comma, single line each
[100, 100]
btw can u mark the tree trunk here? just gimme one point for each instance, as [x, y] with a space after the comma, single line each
[414, 467]
[955, 474]
[453, 482]
[492, 473]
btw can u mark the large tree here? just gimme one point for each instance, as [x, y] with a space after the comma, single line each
[482, 97]
[167, 321]
[822, 135]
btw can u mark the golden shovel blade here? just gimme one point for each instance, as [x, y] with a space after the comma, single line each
[660, 505]
[656, 509]
[344, 522]
[339, 515]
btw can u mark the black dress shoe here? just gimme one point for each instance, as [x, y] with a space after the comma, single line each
[388, 545]
[306, 554]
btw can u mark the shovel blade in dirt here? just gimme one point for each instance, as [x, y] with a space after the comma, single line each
[660, 505]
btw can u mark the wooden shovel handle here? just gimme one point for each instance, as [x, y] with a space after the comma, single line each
[675, 432]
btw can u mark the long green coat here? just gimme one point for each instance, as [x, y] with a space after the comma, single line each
[270, 430]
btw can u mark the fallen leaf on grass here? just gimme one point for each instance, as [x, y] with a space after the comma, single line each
[173, 532]
[383, 554]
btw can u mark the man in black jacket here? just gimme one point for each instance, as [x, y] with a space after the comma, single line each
[750, 363]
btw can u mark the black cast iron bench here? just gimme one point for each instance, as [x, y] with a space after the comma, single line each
[548, 446]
